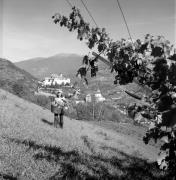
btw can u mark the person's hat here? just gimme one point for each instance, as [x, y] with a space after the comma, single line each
[59, 91]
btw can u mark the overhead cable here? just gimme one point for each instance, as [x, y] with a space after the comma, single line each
[68, 2]
[89, 12]
[125, 20]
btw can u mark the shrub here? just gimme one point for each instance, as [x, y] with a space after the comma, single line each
[97, 112]
[43, 101]
[71, 112]
[87, 111]
[18, 89]
[2, 83]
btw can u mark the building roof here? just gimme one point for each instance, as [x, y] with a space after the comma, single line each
[56, 76]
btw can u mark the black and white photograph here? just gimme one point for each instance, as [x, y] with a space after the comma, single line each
[87, 89]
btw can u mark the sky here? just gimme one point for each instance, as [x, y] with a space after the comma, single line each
[27, 30]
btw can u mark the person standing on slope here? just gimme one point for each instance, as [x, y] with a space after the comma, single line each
[60, 102]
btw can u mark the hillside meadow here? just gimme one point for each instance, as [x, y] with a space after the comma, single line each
[31, 148]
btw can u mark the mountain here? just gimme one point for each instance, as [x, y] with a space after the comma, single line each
[60, 63]
[16, 80]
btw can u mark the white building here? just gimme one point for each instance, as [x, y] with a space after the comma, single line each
[99, 97]
[88, 98]
[56, 80]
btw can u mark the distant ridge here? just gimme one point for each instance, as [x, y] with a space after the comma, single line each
[44, 66]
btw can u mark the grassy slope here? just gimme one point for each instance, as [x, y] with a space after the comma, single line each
[31, 148]
[16, 80]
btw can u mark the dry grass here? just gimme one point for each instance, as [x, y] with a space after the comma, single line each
[31, 148]
[16, 80]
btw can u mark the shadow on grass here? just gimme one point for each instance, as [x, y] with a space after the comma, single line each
[47, 122]
[7, 177]
[76, 165]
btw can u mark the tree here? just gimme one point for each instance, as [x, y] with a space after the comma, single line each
[130, 61]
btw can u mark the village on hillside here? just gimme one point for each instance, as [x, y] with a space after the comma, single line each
[51, 85]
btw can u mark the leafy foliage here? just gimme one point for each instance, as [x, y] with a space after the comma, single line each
[148, 62]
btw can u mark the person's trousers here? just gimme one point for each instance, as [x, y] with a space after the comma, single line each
[58, 120]
[61, 120]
